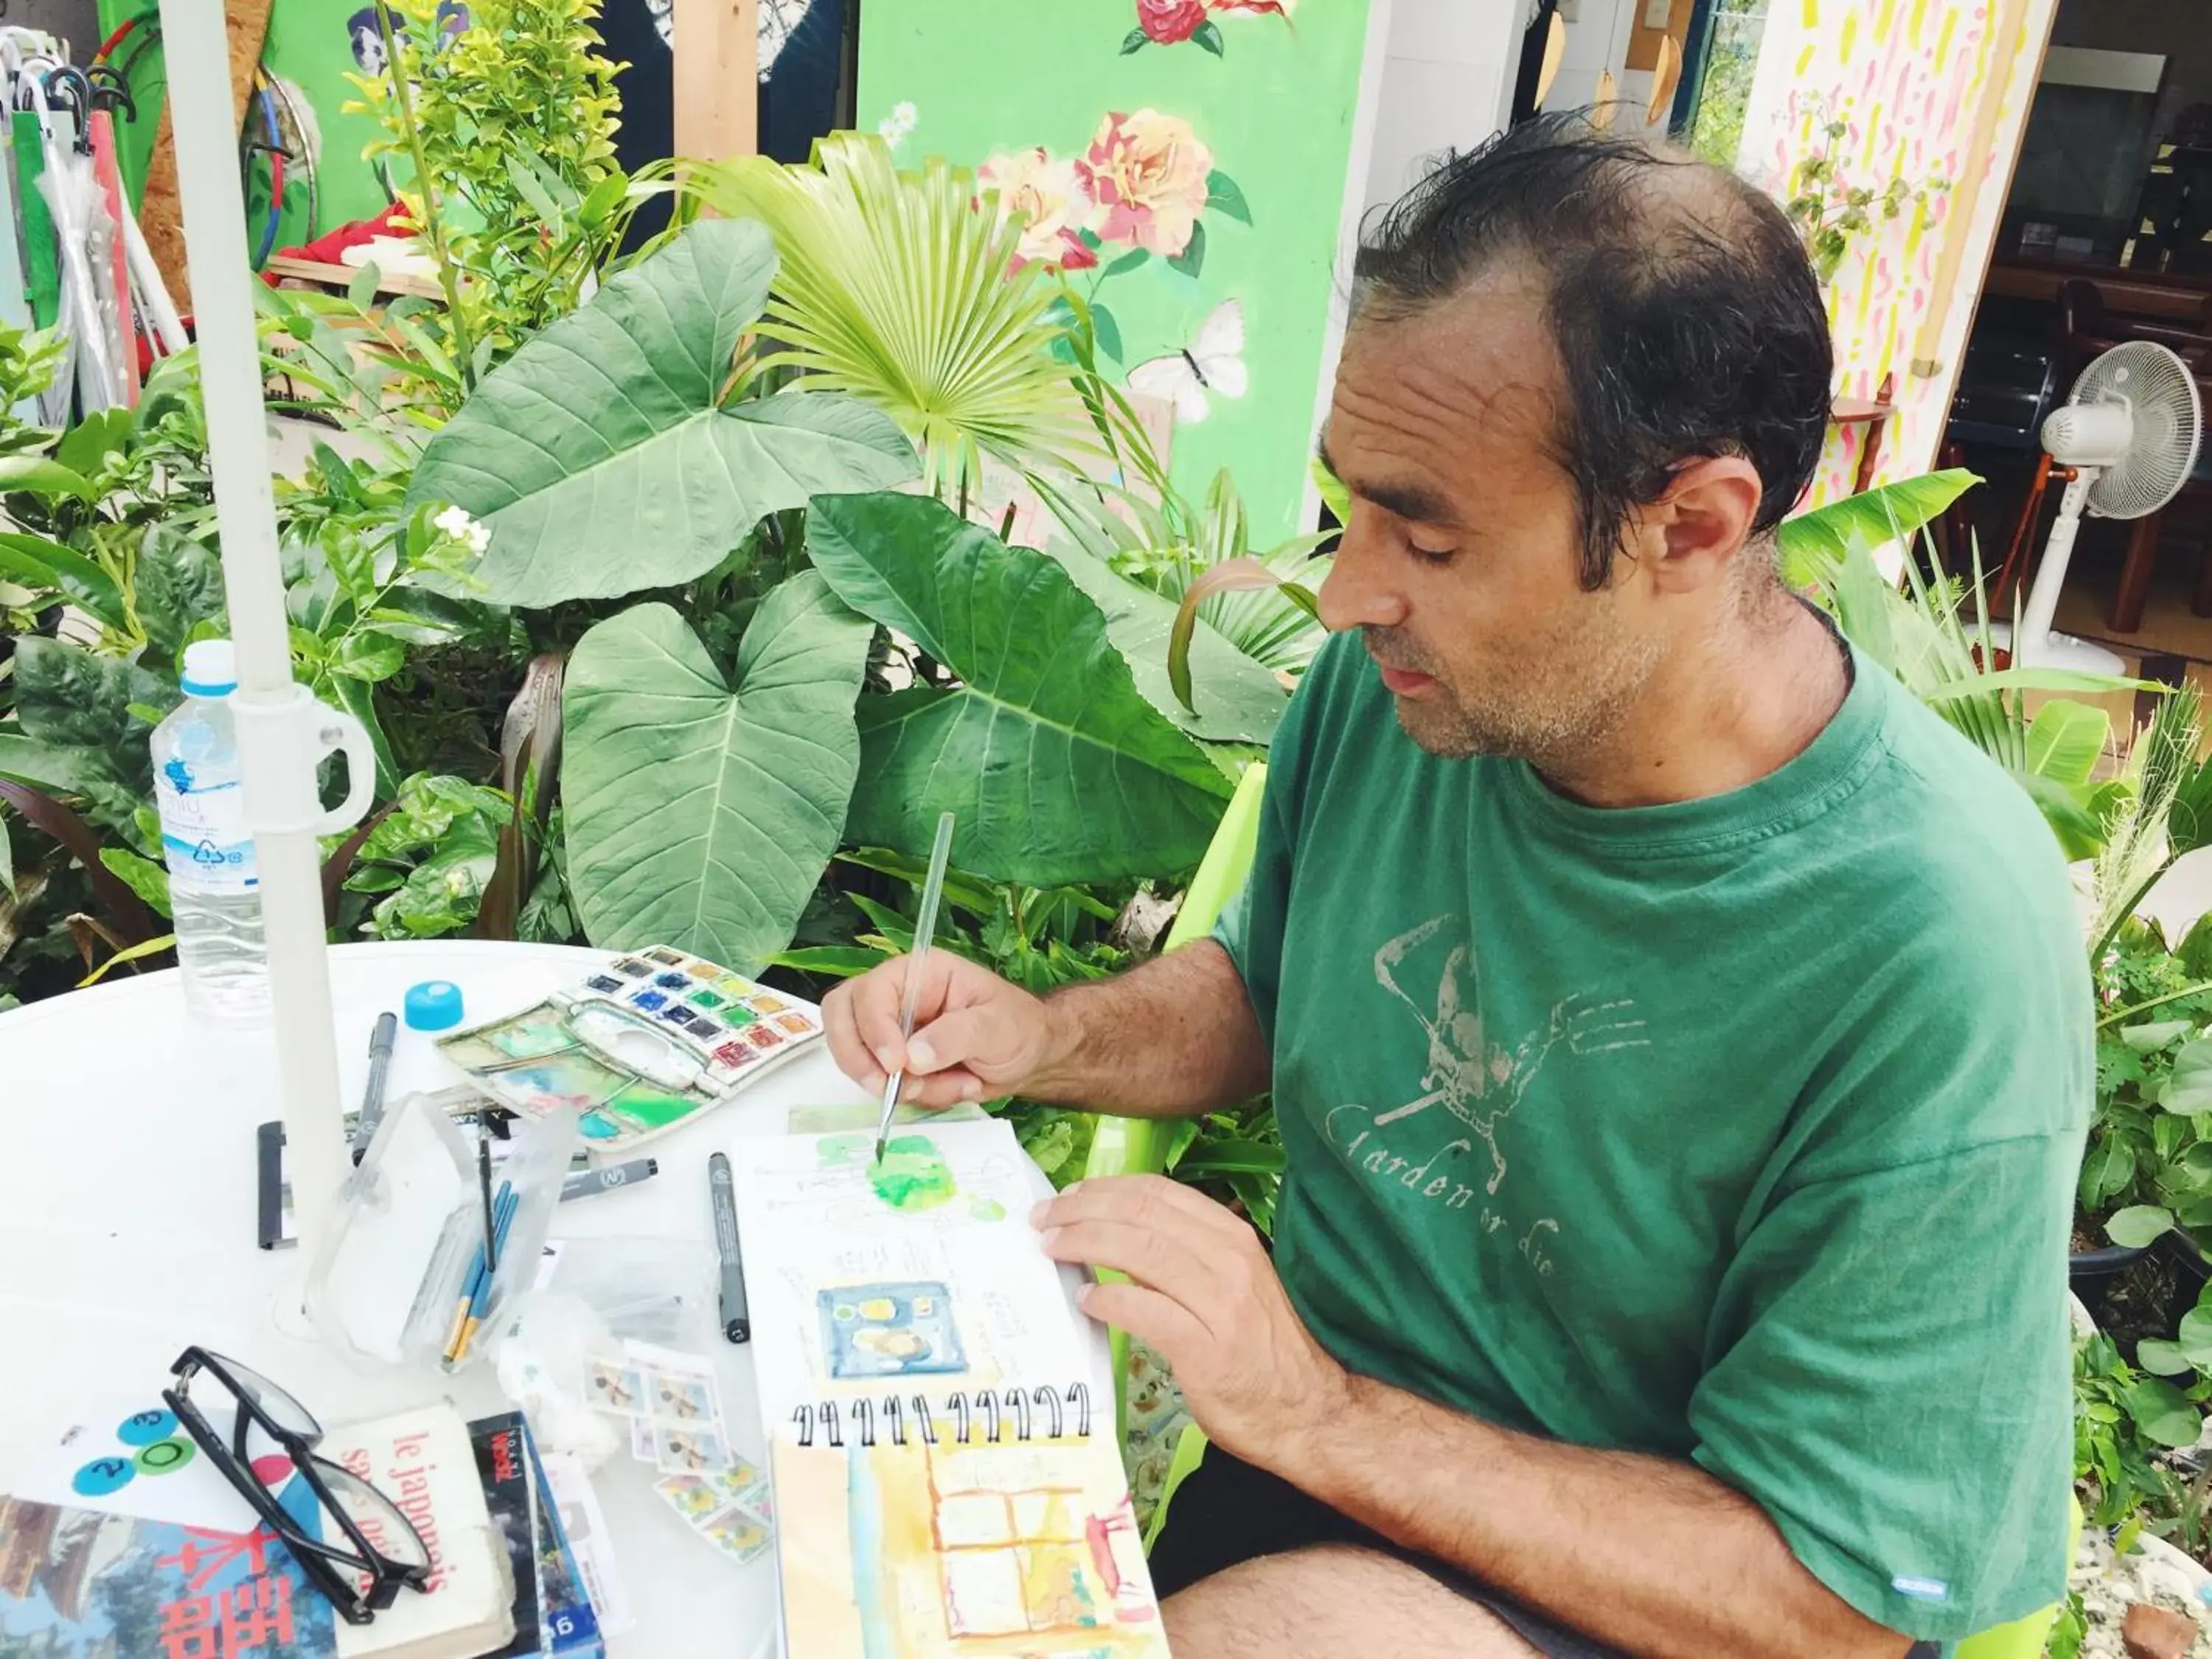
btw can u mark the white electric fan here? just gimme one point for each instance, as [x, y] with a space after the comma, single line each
[2129, 431]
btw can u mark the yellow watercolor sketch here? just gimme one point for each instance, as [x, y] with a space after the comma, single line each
[938, 1552]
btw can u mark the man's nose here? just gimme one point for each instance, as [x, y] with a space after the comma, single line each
[1359, 593]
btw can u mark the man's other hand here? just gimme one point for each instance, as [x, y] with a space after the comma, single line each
[975, 1036]
[1203, 1294]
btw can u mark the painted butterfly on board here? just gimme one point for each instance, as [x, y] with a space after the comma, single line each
[1212, 363]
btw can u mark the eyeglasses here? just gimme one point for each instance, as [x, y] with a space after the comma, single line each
[362, 1536]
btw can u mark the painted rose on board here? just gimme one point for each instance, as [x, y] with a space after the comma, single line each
[1168, 21]
[1147, 174]
[1055, 201]
[1145, 187]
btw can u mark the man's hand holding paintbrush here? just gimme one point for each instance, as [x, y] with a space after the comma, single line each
[975, 1037]
[1172, 1038]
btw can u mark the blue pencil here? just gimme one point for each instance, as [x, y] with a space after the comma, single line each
[473, 1287]
[503, 1208]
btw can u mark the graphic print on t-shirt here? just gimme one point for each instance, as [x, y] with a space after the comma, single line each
[1478, 1081]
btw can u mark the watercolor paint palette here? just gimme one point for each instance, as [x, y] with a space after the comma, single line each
[647, 1042]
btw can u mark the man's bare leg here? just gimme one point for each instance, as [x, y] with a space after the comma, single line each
[1328, 1602]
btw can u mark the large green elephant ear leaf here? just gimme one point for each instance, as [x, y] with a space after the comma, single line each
[1057, 769]
[600, 457]
[698, 814]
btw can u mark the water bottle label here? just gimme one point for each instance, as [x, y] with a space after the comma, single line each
[204, 840]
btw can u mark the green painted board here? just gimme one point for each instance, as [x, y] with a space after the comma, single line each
[1273, 112]
[41, 257]
[310, 48]
[15, 297]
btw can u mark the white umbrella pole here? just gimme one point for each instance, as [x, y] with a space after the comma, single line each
[283, 732]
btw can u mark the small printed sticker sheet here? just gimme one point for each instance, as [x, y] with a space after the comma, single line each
[730, 1510]
[675, 1413]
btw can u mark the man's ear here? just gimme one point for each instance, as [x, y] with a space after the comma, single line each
[1690, 536]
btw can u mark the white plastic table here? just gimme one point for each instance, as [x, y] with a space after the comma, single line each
[128, 1219]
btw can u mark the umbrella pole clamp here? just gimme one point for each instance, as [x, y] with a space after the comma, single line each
[283, 736]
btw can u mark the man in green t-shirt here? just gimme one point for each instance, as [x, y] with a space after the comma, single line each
[1679, 1038]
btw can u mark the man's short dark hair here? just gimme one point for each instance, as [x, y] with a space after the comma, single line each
[1687, 316]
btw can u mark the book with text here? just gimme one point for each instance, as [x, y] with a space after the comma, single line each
[503, 1471]
[568, 1624]
[79, 1584]
[423, 1462]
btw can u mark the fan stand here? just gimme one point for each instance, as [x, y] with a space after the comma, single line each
[2039, 646]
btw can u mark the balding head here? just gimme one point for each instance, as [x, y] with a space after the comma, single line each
[1685, 318]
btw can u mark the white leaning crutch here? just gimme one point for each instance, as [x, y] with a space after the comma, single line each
[152, 293]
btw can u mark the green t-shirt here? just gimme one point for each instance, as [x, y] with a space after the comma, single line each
[1742, 1130]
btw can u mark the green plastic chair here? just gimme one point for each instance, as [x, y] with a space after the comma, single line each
[1128, 1145]
[2023, 1639]
[1139, 1146]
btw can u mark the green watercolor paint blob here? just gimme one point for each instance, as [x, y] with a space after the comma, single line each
[646, 1106]
[986, 1209]
[913, 1176]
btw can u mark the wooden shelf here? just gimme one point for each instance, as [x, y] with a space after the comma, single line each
[2137, 293]
[289, 272]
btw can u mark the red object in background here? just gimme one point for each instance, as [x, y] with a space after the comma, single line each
[146, 355]
[328, 248]
[101, 129]
[108, 45]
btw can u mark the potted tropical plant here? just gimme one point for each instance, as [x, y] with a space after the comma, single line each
[2147, 1177]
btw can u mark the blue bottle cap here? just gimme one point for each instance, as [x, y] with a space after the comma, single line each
[433, 1005]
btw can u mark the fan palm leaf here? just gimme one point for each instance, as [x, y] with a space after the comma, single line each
[900, 288]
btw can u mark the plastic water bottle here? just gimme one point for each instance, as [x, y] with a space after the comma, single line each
[215, 890]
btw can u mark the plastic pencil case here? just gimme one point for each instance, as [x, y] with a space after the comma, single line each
[386, 1288]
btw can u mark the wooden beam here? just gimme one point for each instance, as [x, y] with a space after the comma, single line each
[159, 215]
[2159, 294]
[717, 54]
[1645, 42]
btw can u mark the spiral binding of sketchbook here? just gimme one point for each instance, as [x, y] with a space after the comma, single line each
[984, 1413]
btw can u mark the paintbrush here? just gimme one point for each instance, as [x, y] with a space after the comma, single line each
[484, 1187]
[925, 927]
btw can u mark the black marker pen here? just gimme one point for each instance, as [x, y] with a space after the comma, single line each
[736, 1318]
[588, 1182]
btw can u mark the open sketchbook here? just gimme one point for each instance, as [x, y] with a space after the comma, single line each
[947, 1480]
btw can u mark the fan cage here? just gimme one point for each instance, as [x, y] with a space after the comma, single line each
[2166, 414]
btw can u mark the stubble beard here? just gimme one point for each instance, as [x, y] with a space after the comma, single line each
[1557, 719]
